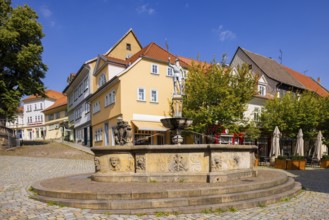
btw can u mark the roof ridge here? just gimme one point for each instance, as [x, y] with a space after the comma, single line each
[126, 34]
[258, 54]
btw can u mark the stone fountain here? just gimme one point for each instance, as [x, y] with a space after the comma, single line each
[172, 163]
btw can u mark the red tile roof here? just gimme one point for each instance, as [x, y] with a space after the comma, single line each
[154, 51]
[20, 109]
[59, 102]
[308, 82]
[191, 61]
[51, 94]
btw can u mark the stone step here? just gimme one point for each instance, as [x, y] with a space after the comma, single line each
[248, 185]
[174, 203]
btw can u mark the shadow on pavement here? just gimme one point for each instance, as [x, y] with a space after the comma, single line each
[313, 180]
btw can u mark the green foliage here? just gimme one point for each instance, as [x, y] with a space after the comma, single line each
[216, 95]
[162, 214]
[293, 112]
[324, 119]
[21, 67]
[325, 157]
[282, 157]
[299, 158]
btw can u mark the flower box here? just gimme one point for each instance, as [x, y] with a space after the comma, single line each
[280, 164]
[324, 163]
[296, 164]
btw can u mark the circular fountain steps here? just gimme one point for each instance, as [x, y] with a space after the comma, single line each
[133, 198]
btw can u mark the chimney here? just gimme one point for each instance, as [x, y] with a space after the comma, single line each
[318, 80]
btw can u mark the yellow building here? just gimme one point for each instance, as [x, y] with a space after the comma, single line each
[136, 87]
[56, 119]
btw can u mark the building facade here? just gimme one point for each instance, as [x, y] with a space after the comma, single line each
[30, 120]
[56, 120]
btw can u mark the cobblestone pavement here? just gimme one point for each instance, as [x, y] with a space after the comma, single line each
[17, 173]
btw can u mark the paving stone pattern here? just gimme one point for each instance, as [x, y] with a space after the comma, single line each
[18, 173]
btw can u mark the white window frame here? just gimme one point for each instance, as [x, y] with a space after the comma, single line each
[156, 96]
[101, 80]
[87, 107]
[138, 94]
[96, 107]
[86, 84]
[157, 72]
[110, 98]
[98, 135]
[262, 90]
[169, 69]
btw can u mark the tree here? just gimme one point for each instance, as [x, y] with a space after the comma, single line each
[21, 66]
[216, 96]
[292, 112]
[324, 118]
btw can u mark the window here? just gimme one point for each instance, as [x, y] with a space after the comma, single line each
[78, 113]
[101, 80]
[41, 106]
[86, 85]
[96, 107]
[58, 115]
[154, 95]
[141, 94]
[71, 117]
[170, 72]
[256, 114]
[35, 107]
[110, 98]
[262, 90]
[128, 46]
[99, 135]
[71, 100]
[87, 107]
[154, 69]
[75, 94]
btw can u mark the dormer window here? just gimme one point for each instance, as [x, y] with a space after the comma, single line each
[262, 82]
[101, 80]
[128, 47]
[262, 90]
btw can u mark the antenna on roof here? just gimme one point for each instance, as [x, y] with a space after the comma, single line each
[167, 48]
[280, 57]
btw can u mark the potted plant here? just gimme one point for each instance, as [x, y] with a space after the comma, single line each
[324, 161]
[281, 162]
[296, 163]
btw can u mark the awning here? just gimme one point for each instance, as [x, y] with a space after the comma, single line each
[149, 126]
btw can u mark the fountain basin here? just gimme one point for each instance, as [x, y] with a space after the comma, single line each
[174, 163]
[176, 123]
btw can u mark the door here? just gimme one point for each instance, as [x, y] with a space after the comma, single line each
[85, 136]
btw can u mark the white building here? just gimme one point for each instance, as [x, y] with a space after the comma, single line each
[78, 89]
[32, 127]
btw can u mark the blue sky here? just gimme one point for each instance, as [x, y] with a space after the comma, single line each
[78, 30]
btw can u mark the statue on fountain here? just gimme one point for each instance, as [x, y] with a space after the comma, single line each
[178, 78]
[177, 123]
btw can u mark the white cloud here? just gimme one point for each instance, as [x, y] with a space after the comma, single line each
[45, 11]
[224, 35]
[49, 18]
[145, 9]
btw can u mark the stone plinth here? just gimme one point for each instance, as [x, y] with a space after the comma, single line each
[174, 163]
